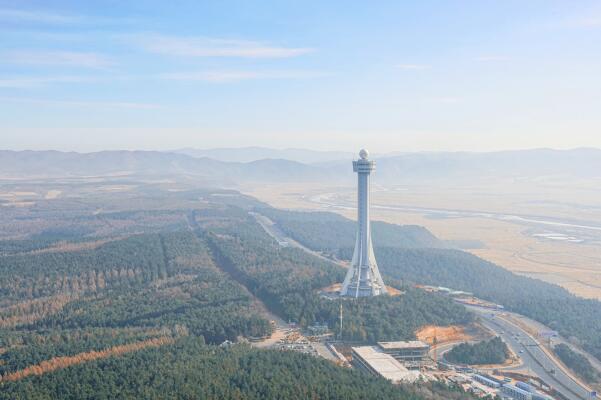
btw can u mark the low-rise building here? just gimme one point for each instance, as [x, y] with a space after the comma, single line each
[487, 381]
[406, 351]
[371, 359]
[515, 392]
[525, 386]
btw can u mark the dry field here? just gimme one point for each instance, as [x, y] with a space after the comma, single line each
[559, 241]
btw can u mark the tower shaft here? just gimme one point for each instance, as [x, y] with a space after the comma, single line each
[363, 278]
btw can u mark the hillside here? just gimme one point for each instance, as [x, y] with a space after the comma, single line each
[550, 304]
[325, 231]
[409, 168]
[248, 154]
[188, 369]
[493, 351]
[128, 295]
[39, 164]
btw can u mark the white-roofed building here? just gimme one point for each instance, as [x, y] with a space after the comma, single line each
[374, 361]
[406, 351]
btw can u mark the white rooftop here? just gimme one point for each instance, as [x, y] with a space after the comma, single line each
[412, 344]
[385, 365]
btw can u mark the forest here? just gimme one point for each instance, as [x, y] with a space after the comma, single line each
[131, 302]
[493, 351]
[189, 369]
[577, 363]
[145, 286]
[391, 318]
[328, 232]
[287, 280]
[573, 317]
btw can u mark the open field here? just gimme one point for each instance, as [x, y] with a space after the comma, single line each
[542, 231]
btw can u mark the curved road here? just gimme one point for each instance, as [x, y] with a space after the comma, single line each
[533, 356]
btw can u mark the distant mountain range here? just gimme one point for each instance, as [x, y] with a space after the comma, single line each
[403, 168]
[248, 154]
[41, 164]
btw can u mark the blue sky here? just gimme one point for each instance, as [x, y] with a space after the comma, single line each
[389, 75]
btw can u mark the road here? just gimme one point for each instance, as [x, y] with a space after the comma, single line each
[533, 356]
[275, 232]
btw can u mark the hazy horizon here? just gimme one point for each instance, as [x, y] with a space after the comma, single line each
[388, 153]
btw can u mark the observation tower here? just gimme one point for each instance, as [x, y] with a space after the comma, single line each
[363, 277]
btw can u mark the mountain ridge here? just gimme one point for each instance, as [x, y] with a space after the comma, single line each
[406, 168]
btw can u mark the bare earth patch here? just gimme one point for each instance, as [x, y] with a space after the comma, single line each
[335, 288]
[443, 334]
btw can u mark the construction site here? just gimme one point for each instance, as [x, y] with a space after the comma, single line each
[423, 359]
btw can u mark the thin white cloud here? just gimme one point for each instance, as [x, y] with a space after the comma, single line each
[491, 58]
[35, 82]
[77, 103]
[57, 58]
[13, 15]
[234, 76]
[48, 35]
[33, 16]
[413, 66]
[214, 47]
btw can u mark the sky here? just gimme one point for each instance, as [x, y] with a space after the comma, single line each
[327, 75]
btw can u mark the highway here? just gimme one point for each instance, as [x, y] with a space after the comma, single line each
[532, 356]
[526, 347]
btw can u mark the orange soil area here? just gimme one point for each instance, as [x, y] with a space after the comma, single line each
[443, 334]
[337, 286]
[393, 291]
[332, 288]
[63, 362]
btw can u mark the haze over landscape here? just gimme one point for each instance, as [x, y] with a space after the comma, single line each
[414, 76]
[186, 211]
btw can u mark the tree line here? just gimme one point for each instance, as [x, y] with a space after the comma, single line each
[288, 280]
[493, 351]
[402, 258]
[188, 369]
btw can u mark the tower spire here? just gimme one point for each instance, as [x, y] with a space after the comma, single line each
[363, 277]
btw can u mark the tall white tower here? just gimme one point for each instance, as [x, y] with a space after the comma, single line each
[363, 277]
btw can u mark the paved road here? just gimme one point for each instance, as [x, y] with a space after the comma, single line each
[533, 357]
[275, 232]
